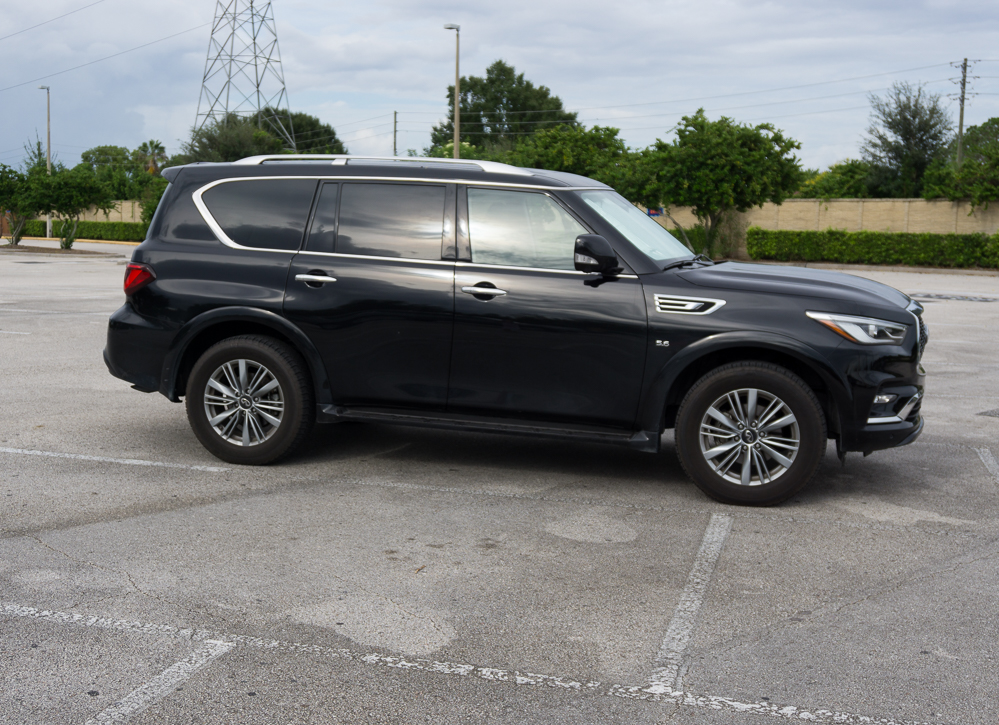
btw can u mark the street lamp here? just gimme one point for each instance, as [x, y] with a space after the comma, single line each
[48, 147]
[457, 85]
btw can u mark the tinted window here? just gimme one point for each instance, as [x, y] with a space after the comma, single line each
[262, 213]
[520, 229]
[322, 235]
[179, 219]
[391, 220]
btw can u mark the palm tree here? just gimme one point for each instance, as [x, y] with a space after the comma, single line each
[153, 154]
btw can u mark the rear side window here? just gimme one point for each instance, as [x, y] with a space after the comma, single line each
[391, 220]
[262, 213]
[520, 229]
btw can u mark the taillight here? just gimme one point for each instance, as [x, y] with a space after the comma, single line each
[137, 276]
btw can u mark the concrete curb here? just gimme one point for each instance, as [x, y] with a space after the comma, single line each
[87, 241]
[885, 268]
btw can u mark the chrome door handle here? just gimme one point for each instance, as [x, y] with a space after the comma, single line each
[483, 291]
[314, 278]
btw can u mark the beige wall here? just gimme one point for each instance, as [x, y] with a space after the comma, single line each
[124, 211]
[881, 215]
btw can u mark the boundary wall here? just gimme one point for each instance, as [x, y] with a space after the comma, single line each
[938, 216]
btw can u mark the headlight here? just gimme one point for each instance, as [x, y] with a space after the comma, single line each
[865, 330]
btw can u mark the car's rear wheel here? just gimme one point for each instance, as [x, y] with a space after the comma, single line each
[750, 433]
[249, 400]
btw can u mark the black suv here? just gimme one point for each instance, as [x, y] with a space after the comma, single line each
[277, 291]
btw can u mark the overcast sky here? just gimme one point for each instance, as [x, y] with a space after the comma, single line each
[632, 64]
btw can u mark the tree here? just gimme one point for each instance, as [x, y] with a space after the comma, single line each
[151, 153]
[845, 180]
[69, 194]
[312, 136]
[909, 129]
[19, 201]
[36, 160]
[231, 139]
[718, 166]
[977, 179]
[121, 171]
[499, 109]
[151, 196]
[595, 152]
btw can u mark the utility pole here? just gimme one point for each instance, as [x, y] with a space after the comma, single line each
[457, 87]
[395, 133]
[960, 122]
[48, 147]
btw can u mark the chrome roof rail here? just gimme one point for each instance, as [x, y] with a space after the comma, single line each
[493, 167]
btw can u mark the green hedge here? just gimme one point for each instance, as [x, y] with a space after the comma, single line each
[109, 231]
[833, 245]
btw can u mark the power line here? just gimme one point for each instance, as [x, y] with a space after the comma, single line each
[731, 95]
[107, 57]
[52, 20]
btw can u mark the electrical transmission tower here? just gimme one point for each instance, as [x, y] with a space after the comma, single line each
[243, 73]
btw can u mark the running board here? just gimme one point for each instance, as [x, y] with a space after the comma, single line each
[646, 441]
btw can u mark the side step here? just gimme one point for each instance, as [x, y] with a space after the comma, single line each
[646, 441]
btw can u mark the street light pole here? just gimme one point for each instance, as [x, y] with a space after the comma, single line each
[457, 87]
[48, 147]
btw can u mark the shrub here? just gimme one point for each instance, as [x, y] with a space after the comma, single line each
[108, 231]
[834, 245]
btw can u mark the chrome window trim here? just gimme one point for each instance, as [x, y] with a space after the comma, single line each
[217, 228]
[659, 299]
[386, 259]
[539, 269]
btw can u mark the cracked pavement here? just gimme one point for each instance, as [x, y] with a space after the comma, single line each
[873, 592]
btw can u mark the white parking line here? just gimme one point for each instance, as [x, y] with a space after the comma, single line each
[681, 626]
[163, 684]
[11, 332]
[511, 677]
[990, 463]
[123, 461]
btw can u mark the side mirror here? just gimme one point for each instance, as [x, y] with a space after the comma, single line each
[593, 253]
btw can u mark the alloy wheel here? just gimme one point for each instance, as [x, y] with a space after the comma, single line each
[749, 437]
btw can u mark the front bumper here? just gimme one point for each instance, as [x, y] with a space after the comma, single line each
[879, 436]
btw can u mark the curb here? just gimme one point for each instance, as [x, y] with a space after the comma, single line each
[885, 268]
[87, 241]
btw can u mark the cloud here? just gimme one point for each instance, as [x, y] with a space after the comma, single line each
[350, 62]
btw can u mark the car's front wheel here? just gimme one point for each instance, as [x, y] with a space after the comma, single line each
[249, 399]
[750, 433]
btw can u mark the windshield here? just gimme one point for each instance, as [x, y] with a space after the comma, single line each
[638, 228]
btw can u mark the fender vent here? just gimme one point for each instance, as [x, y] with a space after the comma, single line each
[675, 305]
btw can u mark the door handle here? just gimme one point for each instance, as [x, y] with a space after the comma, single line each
[491, 291]
[311, 279]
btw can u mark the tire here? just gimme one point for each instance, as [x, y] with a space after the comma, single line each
[233, 423]
[714, 450]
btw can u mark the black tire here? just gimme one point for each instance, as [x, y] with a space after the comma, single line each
[253, 439]
[706, 443]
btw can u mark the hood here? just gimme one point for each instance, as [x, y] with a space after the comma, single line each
[798, 281]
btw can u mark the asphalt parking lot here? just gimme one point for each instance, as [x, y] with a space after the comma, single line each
[398, 575]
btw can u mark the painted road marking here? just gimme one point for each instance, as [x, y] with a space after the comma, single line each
[11, 332]
[51, 312]
[990, 463]
[123, 461]
[163, 684]
[511, 677]
[681, 626]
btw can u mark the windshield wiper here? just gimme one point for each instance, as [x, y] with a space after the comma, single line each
[685, 262]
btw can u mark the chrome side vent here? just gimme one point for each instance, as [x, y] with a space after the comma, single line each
[675, 305]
